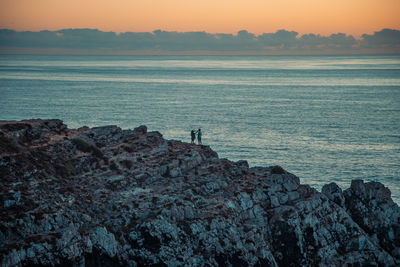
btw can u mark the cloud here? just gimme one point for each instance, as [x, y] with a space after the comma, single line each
[338, 41]
[282, 41]
[385, 38]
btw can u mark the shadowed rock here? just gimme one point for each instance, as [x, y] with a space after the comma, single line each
[334, 193]
[105, 196]
[372, 208]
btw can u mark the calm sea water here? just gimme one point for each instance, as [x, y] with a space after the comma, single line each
[323, 118]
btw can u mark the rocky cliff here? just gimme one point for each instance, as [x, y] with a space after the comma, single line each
[109, 197]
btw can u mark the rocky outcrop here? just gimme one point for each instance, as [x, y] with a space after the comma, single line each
[372, 208]
[105, 196]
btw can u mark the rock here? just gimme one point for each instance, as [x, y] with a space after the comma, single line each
[289, 182]
[371, 207]
[33, 134]
[104, 196]
[104, 131]
[105, 241]
[277, 170]
[334, 193]
[116, 178]
[140, 130]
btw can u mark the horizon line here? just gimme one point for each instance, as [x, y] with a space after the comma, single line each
[203, 31]
[76, 52]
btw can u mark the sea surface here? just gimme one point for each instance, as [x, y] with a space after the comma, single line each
[324, 118]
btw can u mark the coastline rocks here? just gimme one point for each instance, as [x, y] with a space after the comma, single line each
[372, 208]
[105, 196]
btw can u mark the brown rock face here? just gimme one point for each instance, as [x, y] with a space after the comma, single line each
[105, 196]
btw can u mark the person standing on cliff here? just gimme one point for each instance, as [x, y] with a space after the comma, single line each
[192, 136]
[199, 134]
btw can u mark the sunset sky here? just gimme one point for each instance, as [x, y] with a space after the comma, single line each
[215, 16]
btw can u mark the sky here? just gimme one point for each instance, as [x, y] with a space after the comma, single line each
[353, 17]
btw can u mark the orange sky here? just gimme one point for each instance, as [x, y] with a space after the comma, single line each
[215, 16]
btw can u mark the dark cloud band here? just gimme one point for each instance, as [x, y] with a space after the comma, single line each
[386, 40]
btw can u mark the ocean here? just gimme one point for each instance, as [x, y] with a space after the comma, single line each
[324, 118]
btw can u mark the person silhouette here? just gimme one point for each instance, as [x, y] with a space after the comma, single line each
[199, 134]
[192, 136]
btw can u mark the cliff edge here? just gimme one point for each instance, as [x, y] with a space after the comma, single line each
[105, 196]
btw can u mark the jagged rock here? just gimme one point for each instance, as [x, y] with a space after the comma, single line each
[140, 130]
[372, 208]
[334, 193]
[105, 241]
[105, 196]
